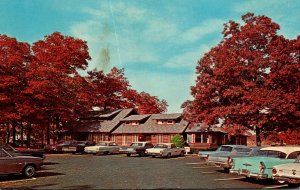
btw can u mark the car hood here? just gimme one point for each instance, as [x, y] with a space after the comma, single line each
[155, 150]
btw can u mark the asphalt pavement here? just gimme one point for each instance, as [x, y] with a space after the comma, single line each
[67, 171]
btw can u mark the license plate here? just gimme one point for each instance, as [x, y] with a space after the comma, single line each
[245, 171]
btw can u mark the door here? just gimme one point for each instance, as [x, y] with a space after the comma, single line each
[8, 163]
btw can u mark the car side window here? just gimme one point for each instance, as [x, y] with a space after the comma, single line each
[3, 154]
[173, 146]
[294, 155]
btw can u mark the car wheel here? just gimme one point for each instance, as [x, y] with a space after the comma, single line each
[106, 153]
[128, 155]
[168, 155]
[29, 171]
[142, 154]
[153, 156]
[226, 170]
[181, 153]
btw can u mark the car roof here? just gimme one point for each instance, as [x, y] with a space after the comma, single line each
[234, 145]
[285, 149]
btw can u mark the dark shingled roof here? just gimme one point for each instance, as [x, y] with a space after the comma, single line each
[151, 126]
[105, 126]
[166, 116]
[136, 117]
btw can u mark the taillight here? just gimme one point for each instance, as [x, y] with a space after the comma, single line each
[207, 157]
[262, 167]
[274, 171]
[229, 160]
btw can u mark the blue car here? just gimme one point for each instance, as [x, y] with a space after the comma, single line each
[222, 149]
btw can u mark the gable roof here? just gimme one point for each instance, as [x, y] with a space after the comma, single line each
[136, 117]
[151, 126]
[105, 126]
[202, 127]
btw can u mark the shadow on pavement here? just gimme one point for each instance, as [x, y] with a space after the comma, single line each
[50, 163]
[21, 177]
[80, 187]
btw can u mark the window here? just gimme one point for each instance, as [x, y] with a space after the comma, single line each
[294, 155]
[159, 122]
[271, 153]
[3, 154]
[170, 122]
[198, 138]
[226, 148]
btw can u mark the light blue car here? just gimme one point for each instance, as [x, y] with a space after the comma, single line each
[260, 167]
[222, 149]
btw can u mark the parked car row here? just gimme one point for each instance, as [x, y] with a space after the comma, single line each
[281, 163]
[166, 150]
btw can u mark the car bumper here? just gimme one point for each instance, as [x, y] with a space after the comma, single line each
[153, 154]
[287, 179]
[127, 151]
[221, 164]
[90, 151]
[235, 172]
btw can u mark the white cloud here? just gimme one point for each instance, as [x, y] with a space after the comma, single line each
[173, 88]
[189, 58]
[205, 28]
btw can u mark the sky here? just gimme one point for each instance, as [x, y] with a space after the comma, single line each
[158, 43]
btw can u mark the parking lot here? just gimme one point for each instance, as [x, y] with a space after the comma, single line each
[67, 171]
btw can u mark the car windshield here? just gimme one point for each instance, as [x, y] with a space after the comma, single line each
[271, 153]
[226, 148]
[136, 144]
[161, 146]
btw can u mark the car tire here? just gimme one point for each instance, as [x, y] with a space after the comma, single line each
[128, 155]
[168, 155]
[29, 171]
[141, 154]
[181, 153]
[226, 170]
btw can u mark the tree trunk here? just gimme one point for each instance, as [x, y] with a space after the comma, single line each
[28, 134]
[22, 133]
[48, 132]
[8, 134]
[258, 139]
[14, 133]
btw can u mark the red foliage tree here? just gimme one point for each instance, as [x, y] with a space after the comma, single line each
[53, 78]
[237, 79]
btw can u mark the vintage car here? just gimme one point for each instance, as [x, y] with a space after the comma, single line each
[222, 149]
[289, 173]
[166, 150]
[23, 151]
[260, 166]
[79, 146]
[138, 148]
[16, 164]
[61, 147]
[102, 148]
[224, 159]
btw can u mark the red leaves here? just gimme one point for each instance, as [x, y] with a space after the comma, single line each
[250, 79]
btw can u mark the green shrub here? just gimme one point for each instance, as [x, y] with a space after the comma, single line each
[178, 140]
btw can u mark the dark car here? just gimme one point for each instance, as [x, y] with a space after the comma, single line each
[79, 146]
[23, 151]
[138, 148]
[60, 147]
[11, 163]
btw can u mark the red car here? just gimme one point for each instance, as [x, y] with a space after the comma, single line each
[16, 164]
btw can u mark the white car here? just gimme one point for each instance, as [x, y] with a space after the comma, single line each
[289, 173]
[103, 148]
[166, 150]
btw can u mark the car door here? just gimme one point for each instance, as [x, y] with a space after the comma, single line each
[8, 163]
